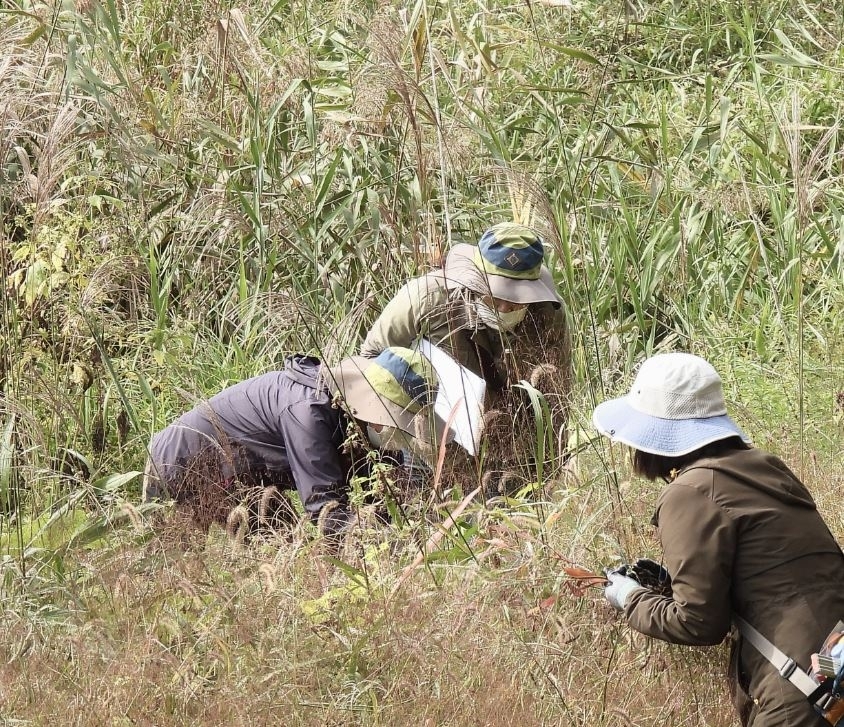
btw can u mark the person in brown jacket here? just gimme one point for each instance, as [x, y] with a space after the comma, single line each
[493, 307]
[474, 305]
[741, 537]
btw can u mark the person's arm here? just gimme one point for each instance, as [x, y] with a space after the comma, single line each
[312, 435]
[698, 541]
[401, 320]
[546, 325]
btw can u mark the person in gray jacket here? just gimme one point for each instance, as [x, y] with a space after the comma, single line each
[288, 429]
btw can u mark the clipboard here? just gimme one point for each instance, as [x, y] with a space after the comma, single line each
[461, 393]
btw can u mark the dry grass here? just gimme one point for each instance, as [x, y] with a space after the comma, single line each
[203, 639]
[180, 630]
[179, 627]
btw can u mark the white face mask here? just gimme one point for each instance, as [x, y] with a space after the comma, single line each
[499, 321]
[389, 438]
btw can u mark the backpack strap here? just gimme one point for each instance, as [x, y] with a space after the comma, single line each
[785, 665]
[824, 697]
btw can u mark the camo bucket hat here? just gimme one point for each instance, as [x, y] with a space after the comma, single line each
[390, 389]
[506, 263]
[675, 406]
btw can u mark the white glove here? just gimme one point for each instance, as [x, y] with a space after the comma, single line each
[619, 589]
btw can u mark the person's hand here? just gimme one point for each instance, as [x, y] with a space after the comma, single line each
[650, 573]
[619, 588]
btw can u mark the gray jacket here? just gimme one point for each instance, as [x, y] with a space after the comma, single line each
[280, 425]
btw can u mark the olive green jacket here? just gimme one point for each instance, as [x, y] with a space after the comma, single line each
[425, 307]
[741, 534]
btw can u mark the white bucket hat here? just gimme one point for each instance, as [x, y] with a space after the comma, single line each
[676, 405]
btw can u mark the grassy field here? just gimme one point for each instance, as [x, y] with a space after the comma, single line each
[191, 191]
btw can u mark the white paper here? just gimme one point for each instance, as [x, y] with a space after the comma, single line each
[461, 394]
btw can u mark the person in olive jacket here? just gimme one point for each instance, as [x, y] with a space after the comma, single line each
[288, 429]
[740, 534]
[482, 295]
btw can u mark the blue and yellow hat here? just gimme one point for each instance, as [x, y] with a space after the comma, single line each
[507, 263]
[390, 389]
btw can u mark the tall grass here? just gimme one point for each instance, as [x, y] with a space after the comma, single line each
[189, 192]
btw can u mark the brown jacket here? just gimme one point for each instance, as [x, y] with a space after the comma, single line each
[425, 307]
[741, 534]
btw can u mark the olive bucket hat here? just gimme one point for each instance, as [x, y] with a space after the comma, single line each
[675, 406]
[390, 389]
[506, 263]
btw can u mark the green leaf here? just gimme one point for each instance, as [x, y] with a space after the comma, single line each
[36, 277]
[782, 60]
[580, 55]
[544, 441]
[113, 483]
[6, 460]
[356, 575]
[34, 35]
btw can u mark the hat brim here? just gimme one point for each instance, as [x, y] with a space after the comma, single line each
[620, 422]
[365, 404]
[460, 267]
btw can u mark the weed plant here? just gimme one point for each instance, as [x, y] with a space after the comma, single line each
[190, 192]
